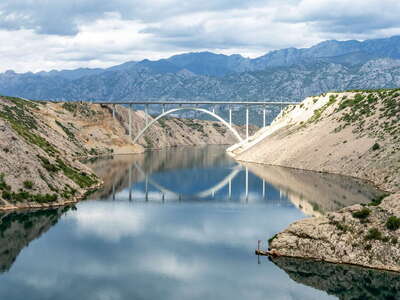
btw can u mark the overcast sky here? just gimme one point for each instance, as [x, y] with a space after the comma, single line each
[64, 34]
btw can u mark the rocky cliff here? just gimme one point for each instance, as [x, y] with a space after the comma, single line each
[353, 133]
[41, 144]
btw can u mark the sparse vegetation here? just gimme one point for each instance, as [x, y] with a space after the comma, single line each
[24, 124]
[375, 146]
[393, 223]
[361, 214]
[28, 184]
[376, 201]
[80, 178]
[22, 195]
[373, 234]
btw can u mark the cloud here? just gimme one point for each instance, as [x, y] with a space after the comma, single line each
[65, 34]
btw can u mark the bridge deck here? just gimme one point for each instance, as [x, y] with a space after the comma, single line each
[192, 102]
[202, 102]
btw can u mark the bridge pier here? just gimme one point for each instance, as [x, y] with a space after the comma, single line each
[130, 183]
[230, 189]
[264, 120]
[130, 121]
[247, 184]
[263, 189]
[230, 115]
[247, 122]
[146, 111]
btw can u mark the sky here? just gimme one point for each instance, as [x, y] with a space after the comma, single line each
[66, 34]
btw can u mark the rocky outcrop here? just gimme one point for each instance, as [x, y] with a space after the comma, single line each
[355, 134]
[359, 235]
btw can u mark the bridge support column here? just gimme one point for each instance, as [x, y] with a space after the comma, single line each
[247, 122]
[264, 120]
[146, 111]
[247, 184]
[230, 116]
[130, 121]
[230, 189]
[130, 183]
[147, 188]
[113, 111]
[263, 189]
[163, 108]
[113, 191]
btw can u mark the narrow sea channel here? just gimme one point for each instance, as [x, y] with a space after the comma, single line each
[182, 223]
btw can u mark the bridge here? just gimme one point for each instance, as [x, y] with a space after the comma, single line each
[170, 107]
[166, 194]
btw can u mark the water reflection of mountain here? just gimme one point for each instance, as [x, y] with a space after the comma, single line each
[313, 192]
[343, 281]
[18, 229]
[115, 170]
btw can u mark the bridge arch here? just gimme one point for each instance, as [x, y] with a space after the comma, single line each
[202, 194]
[235, 133]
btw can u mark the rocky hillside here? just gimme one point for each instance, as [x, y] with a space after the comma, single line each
[41, 144]
[287, 75]
[353, 133]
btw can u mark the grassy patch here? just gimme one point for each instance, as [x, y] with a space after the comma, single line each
[22, 195]
[80, 178]
[47, 164]
[376, 201]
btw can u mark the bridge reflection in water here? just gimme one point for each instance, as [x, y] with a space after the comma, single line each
[208, 174]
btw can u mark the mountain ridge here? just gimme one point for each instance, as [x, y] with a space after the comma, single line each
[289, 74]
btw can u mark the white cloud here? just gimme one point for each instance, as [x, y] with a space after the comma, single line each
[108, 221]
[43, 35]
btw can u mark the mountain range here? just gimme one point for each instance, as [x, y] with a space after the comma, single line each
[285, 75]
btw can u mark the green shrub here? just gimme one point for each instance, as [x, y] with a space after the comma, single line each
[375, 147]
[361, 214]
[28, 184]
[3, 185]
[393, 223]
[373, 234]
[376, 201]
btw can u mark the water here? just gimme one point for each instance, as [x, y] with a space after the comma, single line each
[182, 224]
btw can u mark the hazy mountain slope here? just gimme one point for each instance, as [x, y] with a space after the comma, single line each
[288, 74]
[278, 83]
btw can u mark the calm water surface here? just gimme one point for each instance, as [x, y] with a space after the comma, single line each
[182, 224]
